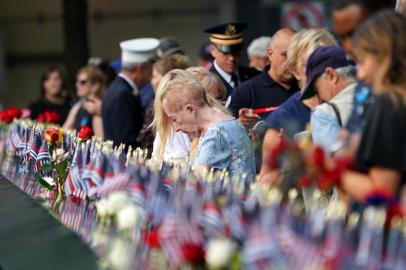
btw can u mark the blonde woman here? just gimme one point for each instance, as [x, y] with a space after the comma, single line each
[380, 52]
[224, 143]
[146, 136]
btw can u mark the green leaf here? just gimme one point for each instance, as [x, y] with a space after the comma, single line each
[69, 158]
[236, 261]
[46, 168]
[42, 182]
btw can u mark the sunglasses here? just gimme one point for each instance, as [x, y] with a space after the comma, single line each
[81, 82]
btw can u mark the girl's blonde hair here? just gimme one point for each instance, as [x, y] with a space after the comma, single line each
[210, 82]
[383, 36]
[177, 60]
[304, 41]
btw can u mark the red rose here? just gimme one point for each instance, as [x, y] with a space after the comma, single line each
[53, 135]
[85, 133]
[393, 210]
[41, 118]
[9, 114]
[318, 157]
[305, 181]
[193, 253]
[14, 112]
[49, 117]
[151, 238]
[277, 152]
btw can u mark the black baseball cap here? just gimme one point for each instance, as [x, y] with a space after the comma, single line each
[322, 58]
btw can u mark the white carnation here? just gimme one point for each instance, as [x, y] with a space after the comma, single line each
[101, 207]
[128, 217]
[219, 252]
[60, 152]
[119, 254]
[117, 201]
[49, 180]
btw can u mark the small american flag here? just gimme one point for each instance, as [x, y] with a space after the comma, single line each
[43, 156]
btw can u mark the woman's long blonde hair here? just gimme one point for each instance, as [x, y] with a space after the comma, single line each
[384, 36]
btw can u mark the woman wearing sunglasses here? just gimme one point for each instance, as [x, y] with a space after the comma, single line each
[90, 82]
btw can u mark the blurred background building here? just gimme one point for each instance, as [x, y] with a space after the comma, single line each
[36, 34]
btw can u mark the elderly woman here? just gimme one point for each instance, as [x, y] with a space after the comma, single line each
[224, 143]
[170, 145]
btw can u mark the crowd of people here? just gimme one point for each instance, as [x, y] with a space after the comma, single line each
[350, 100]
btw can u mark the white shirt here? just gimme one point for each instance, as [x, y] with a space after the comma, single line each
[130, 82]
[226, 76]
[177, 146]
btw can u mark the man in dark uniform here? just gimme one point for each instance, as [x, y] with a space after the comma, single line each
[121, 108]
[227, 42]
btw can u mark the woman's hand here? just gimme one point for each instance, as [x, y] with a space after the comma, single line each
[93, 105]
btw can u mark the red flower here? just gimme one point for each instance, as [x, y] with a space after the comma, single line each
[318, 157]
[41, 118]
[332, 177]
[305, 181]
[85, 133]
[53, 135]
[277, 152]
[393, 210]
[9, 114]
[49, 117]
[151, 238]
[193, 253]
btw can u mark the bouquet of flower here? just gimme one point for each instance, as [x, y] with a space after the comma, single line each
[58, 168]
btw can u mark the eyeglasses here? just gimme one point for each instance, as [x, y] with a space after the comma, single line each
[81, 82]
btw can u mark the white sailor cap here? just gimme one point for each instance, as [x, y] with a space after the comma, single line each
[139, 50]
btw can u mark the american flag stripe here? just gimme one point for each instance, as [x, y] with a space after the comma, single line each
[118, 182]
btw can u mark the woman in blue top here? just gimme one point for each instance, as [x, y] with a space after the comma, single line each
[224, 143]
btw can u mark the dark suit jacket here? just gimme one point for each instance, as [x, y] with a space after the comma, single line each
[122, 113]
[243, 72]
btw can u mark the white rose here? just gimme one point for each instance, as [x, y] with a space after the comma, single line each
[119, 254]
[128, 217]
[219, 252]
[101, 207]
[116, 201]
[99, 236]
[60, 152]
[49, 180]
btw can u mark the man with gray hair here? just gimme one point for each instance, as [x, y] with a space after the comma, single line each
[331, 76]
[258, 53]
[122, 112]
